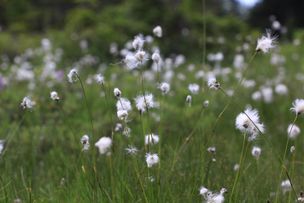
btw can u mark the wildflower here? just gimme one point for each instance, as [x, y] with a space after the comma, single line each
[267, 94]
[123, 104]
[2, 142]
[27, 103]
[131, 150]
[298, 106]
[54, 96]
[156, 57]
[131, 61]
[293, 131]
[138, 42]
[292, 149]
[286, 186]
[151, 159]
[203, 190]
[104, 144]
[193, 88]
[85, 142]
[281, 89]
[211, 197]
[256, 152]
[211, 150]
[256, 96]
[122, 114]
[141, 56]
[206, 103]
[118, 127]
[99, 79]
[189, 99]
[126, 132]
[151, 139]
[265, 43]
[157, 31]
[144, 102]
[249, 123]
[72, 75]
[213, 84]
[164, 87]
[117, 92]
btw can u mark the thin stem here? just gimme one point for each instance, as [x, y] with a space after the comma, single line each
[238, 172]
[87, 104]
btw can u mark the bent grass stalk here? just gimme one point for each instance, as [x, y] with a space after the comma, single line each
[239, 170]
[284, 156]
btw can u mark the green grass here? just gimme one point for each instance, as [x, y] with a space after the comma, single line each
[43, 159]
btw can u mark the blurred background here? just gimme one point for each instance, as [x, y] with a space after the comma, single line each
[99, 25]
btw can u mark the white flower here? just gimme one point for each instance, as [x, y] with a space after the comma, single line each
[122, 114]
[131, 150]
[131, 61]
[104, 145]
[256, 96]
[298, 106]
[156, 57]
[117, 92]
[206, 103]
[151, 159]
[123, 104]
[267, 94]
[203, 190]
[27, 103]
[293, 131]
[189, 99]
[292, 149]
[138, 42]
[265, 43]
[256, 152]
[54, 96]
[193, 88]
[157, 31]
[286, 186]
[85, 142]
[164, 87]
[2, 142]
[99, 79]
[141, 56]
[211, 150]
[144, 102]
[72, 75]
[281, 89]
[249, 122]
[151, 139]
[213, 84]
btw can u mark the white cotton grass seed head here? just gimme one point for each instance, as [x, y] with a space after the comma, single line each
[213, 84]
[141, 56]
[189, 100]
[292, 149]
[293, 131]
[151, 139]
[211, 150]
[298, 106]
[54, 96]
[281, 89]
[117, 92]
[286, 186]
[122, 115]
[156, 57]
[193, 88]
[236, 167]
[256, 152]
[99, 79]
[131, 150]
[151, 159]
[266, 42]
[164, 88]
[123, 104]
[210, 197]
[248, 122]
[157, 31]
[131, 61]
[104, 145]
[2, 143]
[203, 190]
[27, 103]
[145, 102]
[72, 75]
[85, 142]
[138, 42]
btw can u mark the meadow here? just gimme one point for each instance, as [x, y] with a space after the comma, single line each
[149, 128]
